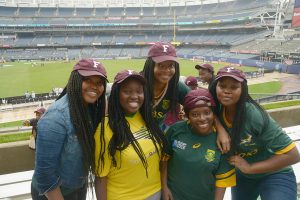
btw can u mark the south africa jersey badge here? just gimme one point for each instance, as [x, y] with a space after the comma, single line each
[166, 104]
[210, 155]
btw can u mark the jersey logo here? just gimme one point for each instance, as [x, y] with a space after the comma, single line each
[210, 155]
[142, 133]
[247, 141]
[179, 144]
[157, 115]
[248, 154]
[196, 146]
[166, 104]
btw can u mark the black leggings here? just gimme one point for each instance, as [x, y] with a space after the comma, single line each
[79, 194]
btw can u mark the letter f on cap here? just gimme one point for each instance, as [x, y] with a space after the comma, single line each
[165, 48]
[95, 64]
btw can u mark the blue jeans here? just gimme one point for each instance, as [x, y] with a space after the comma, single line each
[276, 186]
[79, 194]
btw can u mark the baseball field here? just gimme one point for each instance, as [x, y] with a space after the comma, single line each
[18, 77]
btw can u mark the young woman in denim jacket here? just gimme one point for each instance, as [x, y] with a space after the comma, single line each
[65, 146]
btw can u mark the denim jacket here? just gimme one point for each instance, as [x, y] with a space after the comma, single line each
[59, 157]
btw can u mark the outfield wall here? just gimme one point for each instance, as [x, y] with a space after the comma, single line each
[17, 157]
[291, 69]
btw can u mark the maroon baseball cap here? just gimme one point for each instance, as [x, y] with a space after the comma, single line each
[125, 74]
[198, 98]
[162, 51]
[40, 110]
[191, 81]
[205, 66]
[231, 72]
[90, 67]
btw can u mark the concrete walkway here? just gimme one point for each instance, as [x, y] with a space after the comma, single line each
[17, 112]
[290, 82]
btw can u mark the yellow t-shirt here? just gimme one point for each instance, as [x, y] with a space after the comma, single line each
[128, 181]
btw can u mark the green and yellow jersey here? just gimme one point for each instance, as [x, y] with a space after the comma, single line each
[128, 180]
[161, 111]
[195, 164]
[258, 141]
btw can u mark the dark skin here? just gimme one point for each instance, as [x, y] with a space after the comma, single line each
[205, 75]
[201, 119]
[228, 93]
[272, 164]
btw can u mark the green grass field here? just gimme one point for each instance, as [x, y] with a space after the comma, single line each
[282, 104]
[264, 89]
[11, 124]
[14, 137]
[18, 77]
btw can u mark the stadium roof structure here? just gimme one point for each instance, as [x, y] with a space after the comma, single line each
[105, 3]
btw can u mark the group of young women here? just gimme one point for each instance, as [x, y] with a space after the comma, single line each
[140, 151]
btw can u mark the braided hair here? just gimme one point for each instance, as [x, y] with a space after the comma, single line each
[148, 73]
[85, 119]
[122, 135]
[239, 116]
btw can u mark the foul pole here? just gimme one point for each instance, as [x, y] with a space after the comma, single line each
[174, 26]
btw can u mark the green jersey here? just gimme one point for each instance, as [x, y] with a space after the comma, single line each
[161, 111]
[195, 164]
[260, 141]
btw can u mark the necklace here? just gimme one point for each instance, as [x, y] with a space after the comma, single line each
[159, 97]
[161, 93]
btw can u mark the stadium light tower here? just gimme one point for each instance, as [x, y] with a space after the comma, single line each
[280, 12]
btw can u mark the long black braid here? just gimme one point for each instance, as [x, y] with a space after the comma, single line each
[172, 90]
[239, 117]
[122, 135]
[85, 119]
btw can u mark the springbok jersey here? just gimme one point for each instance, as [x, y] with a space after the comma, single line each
[195, 164]
[258, 140]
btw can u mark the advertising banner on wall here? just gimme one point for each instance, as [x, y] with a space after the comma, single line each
[296, 15]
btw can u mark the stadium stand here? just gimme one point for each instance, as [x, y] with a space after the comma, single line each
[79, 29]
[236, 31]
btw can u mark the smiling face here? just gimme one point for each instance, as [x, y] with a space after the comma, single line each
[131, 95]
[228, 91]
[92, 88]
[164, 71]
[201, 119]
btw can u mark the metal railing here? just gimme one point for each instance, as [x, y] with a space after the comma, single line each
[278, 97]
